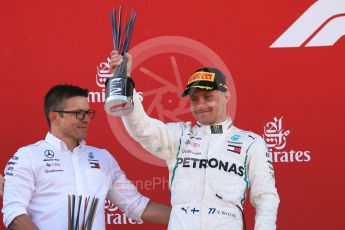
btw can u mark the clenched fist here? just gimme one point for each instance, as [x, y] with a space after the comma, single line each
[116, 59]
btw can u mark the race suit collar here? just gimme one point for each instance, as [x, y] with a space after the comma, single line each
[216, 128]
[59, 144]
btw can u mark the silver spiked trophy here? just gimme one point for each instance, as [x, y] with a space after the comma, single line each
[119, 87]
[81, 215]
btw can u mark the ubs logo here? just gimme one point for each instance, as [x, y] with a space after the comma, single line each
[49, 153]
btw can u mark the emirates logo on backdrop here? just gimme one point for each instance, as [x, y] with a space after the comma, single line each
[274, 134]
[276, 139]
[114, 216]
[102, 74]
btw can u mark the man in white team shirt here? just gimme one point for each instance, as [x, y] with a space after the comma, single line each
[211, 164]
[39, 177]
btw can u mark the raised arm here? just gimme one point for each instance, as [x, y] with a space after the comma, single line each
[155, 136]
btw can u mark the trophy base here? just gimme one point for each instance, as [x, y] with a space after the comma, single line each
[118, 105]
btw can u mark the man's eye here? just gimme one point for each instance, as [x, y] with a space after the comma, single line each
[193, 99]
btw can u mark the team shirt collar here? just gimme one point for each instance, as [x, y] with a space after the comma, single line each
[216, 128]
[59, 144]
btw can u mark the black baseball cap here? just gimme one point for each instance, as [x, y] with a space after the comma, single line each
[207, 79]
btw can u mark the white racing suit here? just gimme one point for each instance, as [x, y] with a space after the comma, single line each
[210, 169]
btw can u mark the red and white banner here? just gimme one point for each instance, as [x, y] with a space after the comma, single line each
[285, 66]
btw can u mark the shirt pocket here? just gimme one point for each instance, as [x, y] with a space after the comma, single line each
[96, 182]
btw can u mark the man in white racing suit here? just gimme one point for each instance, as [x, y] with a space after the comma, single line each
[40, 177]
[211, 164]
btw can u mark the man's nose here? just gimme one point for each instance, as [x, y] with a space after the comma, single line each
[86, 118]
[200, 103]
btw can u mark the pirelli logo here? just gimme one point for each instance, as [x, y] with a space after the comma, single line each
[201, 76]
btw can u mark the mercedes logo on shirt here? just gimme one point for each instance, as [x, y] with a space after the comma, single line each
[49, 153]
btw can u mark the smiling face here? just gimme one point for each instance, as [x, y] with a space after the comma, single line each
[209, 107]
[66, 126]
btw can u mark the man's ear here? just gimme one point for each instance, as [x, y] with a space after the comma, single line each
[53, 117]
[226, 96]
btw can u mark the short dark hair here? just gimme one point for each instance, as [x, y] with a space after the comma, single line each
[57, 95]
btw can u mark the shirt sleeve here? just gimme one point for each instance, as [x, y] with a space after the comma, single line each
[125, 195]
[155, 136]
[263, 193]
[19, 185]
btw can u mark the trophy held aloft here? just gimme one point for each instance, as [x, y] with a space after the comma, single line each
[119, 87]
